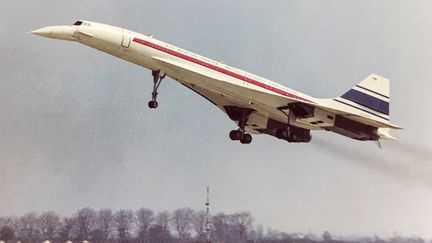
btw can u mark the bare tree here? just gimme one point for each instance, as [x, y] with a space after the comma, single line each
[104, 225]
[182, 222]
[220, 227]
[199, 225]
[123, 220]
[157, 234]
[145, 218]
[241, 222]
[48, 225]
[7, 233]
[12, 222]
[160, 232]
[66, 229]
[29, 227]
[163, 219]
[326, 236]
[85, 221]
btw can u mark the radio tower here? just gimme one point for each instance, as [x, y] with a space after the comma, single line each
[207, 204]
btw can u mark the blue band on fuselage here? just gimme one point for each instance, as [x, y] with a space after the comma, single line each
[368, 101]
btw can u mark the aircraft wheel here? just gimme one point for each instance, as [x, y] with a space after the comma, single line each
[235, 135]
[232, 135]
[153, 104]
[246, 139]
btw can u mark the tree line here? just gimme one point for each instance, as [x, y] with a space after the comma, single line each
[123, 225]
[183, 225]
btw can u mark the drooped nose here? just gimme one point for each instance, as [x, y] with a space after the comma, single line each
[56, 32]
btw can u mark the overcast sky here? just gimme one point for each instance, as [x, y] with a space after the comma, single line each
[75, 129]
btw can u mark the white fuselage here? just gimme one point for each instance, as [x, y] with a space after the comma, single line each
[147, 51]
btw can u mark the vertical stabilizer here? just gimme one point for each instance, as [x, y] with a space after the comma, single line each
[372, 94]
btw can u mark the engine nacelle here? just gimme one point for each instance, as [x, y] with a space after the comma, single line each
[294, 134]
[354, 129]
[312, 116]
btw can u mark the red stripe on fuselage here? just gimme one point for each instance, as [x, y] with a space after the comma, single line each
[218, 69]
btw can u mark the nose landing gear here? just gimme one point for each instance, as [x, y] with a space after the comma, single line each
[157, 80]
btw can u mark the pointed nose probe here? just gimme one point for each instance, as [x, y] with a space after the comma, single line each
[56, 32]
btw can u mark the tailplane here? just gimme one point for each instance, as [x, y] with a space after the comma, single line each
[384, 133]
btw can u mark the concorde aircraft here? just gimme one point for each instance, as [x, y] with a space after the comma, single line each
[257, 105]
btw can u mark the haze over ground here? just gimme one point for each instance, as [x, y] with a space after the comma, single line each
[76, 131]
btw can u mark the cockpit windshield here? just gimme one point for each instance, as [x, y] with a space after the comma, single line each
[79, 22]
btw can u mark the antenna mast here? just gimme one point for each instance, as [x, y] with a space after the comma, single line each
[207, 204]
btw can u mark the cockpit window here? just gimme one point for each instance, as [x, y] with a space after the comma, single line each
[78, 23]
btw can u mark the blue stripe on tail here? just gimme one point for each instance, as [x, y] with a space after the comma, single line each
[368, 101]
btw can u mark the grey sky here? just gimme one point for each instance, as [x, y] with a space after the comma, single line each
[76, 131]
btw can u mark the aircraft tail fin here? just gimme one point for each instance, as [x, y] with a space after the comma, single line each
[372, 93]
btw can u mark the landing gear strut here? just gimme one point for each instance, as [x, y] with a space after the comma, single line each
[157, 80]
[242, 115]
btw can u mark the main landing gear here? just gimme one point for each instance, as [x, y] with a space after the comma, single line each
[244, 138]
[241, 115]
[157, 80]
